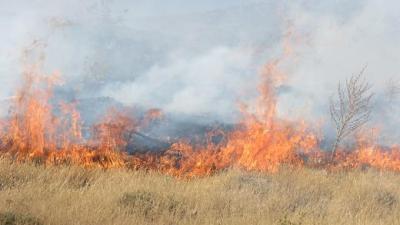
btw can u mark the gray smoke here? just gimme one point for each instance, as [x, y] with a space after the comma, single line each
[201, 57]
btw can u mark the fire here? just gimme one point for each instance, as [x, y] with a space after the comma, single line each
[261, 141]
[39, 130]
[35, 132]
[266, 141]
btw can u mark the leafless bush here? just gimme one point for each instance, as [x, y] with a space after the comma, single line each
[352, 109]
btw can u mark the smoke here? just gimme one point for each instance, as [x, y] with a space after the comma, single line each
[336, 47]
[210, 83]
[202, 57]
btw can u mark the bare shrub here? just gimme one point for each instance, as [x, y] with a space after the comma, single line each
[352, 109]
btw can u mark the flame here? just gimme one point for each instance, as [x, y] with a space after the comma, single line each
[369, 154]
[35, 132]
[261, 141]
[152, 115]
[39, 130]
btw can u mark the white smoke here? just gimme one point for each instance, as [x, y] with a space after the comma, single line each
[210, 83]
[201, 57]
[334, 48]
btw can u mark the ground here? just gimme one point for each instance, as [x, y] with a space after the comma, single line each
[34, 194]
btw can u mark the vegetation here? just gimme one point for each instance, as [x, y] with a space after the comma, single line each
[33, 194]
[352, 109]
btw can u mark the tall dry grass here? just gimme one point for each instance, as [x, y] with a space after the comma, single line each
[32, 194]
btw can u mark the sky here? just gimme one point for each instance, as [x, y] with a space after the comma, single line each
[202, 57]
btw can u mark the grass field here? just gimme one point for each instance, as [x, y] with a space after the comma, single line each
[32, 194]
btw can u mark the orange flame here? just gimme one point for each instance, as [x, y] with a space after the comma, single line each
[262, 141]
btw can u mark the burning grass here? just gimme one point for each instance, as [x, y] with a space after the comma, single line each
[267, 170]
[34, 194]
[39, 130]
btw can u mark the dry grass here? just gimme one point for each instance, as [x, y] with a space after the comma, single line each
[32, 194]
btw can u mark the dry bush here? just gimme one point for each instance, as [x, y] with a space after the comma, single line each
[352, 109]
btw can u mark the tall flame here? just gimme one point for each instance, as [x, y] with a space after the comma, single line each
[37, 129]
[261, 141]
[35, 132]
